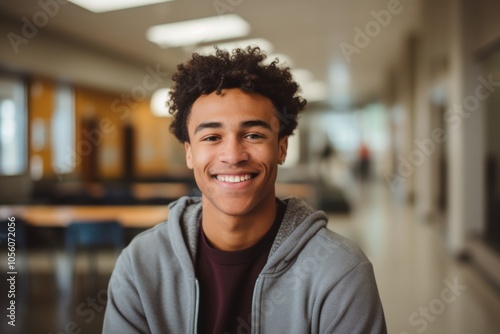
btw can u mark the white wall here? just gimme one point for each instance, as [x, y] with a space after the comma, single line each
[452, 34]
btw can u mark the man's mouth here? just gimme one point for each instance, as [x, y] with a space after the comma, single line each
[234, 178]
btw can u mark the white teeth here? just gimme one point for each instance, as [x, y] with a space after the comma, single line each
[234, 179]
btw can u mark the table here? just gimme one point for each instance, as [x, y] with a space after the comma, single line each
[141, 216]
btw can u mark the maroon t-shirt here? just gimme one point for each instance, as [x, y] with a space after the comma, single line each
[227, 281]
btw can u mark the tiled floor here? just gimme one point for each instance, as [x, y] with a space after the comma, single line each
[423, 289]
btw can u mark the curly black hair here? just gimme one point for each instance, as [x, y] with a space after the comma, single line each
[242, 68]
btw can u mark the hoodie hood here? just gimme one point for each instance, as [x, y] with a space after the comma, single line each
[300, 222]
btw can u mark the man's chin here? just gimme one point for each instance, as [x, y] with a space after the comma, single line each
[233, 206]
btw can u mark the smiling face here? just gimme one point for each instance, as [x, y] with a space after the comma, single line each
[234, 151]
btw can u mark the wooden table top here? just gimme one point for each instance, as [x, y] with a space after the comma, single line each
[142, 216]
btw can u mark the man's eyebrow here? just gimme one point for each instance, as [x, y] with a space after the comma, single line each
[256, 122]
[208, 125]
[245, 124]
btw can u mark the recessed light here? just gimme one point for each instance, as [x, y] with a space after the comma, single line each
[198, 31]
[158, 103]
[100, 6]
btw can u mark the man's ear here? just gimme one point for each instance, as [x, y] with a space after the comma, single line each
[189, 157]
[283, 147]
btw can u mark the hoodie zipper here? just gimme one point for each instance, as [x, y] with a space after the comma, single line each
[196, 305]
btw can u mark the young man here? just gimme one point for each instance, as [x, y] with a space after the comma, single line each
[239, 260]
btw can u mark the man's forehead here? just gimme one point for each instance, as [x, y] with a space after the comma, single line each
[234, 105]
[232, 108]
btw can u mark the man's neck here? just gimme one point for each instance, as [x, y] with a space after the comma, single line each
[232, 233]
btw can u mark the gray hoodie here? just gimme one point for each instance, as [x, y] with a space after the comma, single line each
[314, 281]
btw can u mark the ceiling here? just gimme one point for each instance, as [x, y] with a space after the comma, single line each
[309, 33]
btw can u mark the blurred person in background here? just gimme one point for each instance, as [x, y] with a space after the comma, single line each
[238, 259]
[364, 157]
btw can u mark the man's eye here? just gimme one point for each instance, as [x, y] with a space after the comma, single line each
[254, 136]
[211, 138]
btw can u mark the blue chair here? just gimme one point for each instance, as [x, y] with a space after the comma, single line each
[91, 236]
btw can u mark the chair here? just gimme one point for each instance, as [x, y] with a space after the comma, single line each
[91, 236]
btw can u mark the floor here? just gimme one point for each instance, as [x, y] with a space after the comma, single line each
[422, 288]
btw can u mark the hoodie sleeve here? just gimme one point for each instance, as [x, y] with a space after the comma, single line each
[124, 311]
[353, 305]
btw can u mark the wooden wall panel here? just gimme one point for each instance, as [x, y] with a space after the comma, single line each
[158, 151]
[104, 140]
[41, 93]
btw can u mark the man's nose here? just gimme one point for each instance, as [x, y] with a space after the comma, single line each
[233, 152]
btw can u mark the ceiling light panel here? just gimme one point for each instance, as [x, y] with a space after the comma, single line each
[194, 32]
[100, 6]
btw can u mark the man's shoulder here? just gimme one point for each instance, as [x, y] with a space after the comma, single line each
[332, 255]
[342, 245]
[174, 232]
[307, 220]
[150, 238]
[181, 212]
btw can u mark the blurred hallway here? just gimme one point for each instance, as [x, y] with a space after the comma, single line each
[413, 268]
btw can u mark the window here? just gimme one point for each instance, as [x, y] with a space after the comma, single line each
[63, 131]
[13, 143]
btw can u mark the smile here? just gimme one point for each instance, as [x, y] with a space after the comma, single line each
[234, 178]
